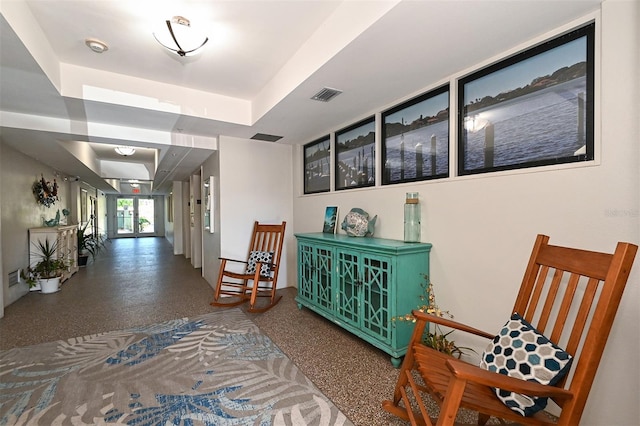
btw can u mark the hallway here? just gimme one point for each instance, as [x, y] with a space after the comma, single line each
[133, 281]
[139, 281]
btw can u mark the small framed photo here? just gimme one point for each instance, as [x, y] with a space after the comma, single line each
[330, 220]
[355, 165]
[532, 109]
[415, 138]
[317, 155]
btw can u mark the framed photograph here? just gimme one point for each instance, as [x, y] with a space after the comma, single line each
[355, 155]
[317, 155]
[330, 220]
[533, 109]
[209, 187]
[415, 139]
[84, 197]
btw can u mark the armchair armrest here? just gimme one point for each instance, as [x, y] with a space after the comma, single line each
[423, 316]
[472, 373]
[232, 260]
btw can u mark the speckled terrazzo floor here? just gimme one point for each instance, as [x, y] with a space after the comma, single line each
[140, 281]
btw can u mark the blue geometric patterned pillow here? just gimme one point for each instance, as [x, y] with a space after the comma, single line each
[519, 350]
[260, 256]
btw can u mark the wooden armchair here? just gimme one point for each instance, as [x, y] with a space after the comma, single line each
[260, 275]
[570, 296]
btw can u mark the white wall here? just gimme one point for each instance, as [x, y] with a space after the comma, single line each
[20, 211]
[186, 219]
[483, 227]
[178, 239]
[211, 241]
[196, 220]
[1, 256]
[168, 226]
[256, 184]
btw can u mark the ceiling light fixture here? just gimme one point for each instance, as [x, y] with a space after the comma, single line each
[179, 37]
[125, 150]
[96, 45]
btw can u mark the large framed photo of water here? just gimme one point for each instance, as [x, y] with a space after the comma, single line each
[532, 109]
[355, 155]
[415, 143]
[317, 155]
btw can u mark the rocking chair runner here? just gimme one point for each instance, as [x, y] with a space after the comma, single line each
[568, 295]
[260, 274]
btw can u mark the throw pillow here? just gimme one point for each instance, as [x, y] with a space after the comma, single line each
[266, 257]
[521, 351]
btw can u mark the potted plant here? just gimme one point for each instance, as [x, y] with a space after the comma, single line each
[88, 244]
[46, 273]
[435, 339]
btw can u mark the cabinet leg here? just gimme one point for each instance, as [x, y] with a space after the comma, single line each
[396, 362]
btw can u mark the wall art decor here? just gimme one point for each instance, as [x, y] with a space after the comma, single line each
[209, 204]
[330, 220]
[532, 109]
[355, 155]
[317, 157]
[46, 193]
[415, 138]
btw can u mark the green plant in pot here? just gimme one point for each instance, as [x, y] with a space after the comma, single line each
[435, 339]
[46, 273]
[89, 244]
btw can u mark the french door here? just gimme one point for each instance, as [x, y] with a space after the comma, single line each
[135, 217]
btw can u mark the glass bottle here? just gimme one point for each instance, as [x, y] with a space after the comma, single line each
[412, 218]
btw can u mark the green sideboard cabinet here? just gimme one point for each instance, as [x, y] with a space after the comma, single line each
[362, 283]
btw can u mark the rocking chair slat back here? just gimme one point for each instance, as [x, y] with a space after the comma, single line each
[248, 286]
[569, 295]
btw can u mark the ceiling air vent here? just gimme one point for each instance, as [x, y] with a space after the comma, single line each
[326, 94]
[266, 138]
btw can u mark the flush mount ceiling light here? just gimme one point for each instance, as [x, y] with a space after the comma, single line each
[96, 45]
[178, 36]
[125, 150]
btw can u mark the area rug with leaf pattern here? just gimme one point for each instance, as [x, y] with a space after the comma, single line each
[214, 369]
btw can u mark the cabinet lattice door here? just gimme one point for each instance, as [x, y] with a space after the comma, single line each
[375, 299]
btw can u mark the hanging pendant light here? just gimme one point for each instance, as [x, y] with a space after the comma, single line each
[178, 36]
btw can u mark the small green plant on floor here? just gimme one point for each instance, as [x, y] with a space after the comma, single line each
[436, 339]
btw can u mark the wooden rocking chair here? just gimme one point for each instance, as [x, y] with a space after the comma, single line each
[568, 295]
[260, 274]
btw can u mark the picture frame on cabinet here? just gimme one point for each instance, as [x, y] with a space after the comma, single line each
[317, 157]
[330, 220]
[415, 138]
[533, 109]
[355, 165]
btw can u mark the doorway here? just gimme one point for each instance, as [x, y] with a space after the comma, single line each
[135, 217]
